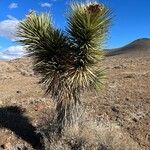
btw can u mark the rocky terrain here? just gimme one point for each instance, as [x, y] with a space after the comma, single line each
[124, 99]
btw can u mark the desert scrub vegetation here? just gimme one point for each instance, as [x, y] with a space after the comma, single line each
[67, 60]
[90, 134]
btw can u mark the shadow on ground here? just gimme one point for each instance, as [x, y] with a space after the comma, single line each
[12, 118]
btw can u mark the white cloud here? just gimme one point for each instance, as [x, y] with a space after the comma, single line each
[13, 5]
[8, 28]
[11, 17]
[46, 5]
[12, 52]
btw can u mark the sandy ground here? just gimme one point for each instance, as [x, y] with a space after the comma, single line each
[125, 99]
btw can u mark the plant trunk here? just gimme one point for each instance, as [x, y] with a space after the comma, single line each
[68, 114]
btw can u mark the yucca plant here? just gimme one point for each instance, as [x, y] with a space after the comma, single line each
[67, 60]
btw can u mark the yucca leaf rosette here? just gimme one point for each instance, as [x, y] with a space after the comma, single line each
[67, 61]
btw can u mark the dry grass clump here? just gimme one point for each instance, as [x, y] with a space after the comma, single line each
[90, 135]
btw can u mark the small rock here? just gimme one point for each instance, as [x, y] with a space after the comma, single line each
[23, 73]
[39, 106]
[26, 73]
[115, 109]
[127, 99]
[18, 92]
[134, 119]
[6, 146]
[129, 76]
[3, 146]
[117, 67]
[120, 66]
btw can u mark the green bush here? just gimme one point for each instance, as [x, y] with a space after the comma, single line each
[67, 60]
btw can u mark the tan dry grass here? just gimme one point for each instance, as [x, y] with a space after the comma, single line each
[91, 135]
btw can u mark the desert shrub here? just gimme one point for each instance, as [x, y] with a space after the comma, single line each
[67, 60]
[90, 135]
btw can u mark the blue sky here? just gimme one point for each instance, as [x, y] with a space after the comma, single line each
[130, 19]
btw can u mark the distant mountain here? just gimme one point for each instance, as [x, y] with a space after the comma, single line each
[137, 47]
[12, 52]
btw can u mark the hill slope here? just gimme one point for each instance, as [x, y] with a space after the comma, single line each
[137, 47]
